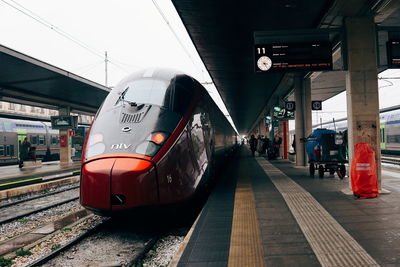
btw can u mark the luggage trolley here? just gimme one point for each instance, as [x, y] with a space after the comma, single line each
[327, 152]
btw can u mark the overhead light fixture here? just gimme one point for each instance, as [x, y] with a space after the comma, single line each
[277, 109]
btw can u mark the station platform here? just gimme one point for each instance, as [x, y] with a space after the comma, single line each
[270, 213]
[12, 176]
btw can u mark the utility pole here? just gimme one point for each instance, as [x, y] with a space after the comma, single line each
[106, 63]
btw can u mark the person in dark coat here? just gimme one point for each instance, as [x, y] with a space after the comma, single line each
[265, 145]
[23, 151]
[253, 144]
[294, 143]
[276, 145]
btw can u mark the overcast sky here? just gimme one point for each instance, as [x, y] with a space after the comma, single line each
[134, 34]
[389, 95]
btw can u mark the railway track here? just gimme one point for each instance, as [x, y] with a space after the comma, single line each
[104, 245]
[19, 200]
[42, 240]
[80, 238]
[22, 208]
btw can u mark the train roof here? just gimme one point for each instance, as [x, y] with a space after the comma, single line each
[152, 73]
[11, 125]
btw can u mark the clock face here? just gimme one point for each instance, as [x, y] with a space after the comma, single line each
[264, 63]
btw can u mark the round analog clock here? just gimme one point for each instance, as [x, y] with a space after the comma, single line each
[264, 63]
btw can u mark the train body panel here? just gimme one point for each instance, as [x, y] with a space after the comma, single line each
[135, 178]
[177, 171]
[39, 134]
[389, 130]
[180, 133]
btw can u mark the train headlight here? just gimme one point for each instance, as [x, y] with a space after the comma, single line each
[95, 145]
[152, 144]
[94, 139]
[147, 148]
[158, 137]
[95, 150]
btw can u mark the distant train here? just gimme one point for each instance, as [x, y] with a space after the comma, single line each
[155, 141]
[389, 130]
[40, 135]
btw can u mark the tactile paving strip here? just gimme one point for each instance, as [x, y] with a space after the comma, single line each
[245, 248]
[332, 245]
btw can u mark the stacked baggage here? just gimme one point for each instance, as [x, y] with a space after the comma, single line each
[327, 152]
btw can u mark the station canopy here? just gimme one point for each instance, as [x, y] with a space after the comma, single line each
[223, 33]
[26, 80]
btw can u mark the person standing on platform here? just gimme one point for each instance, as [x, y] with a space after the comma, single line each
[259, 144]
[23, 151]
[265, 145]
[276, 145]
[294, 143]
[253, 144]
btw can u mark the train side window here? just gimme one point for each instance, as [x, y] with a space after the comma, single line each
[54, 140]
[393, 138]
[11, 150]
[7, 127]
[1, 150]
[34, 139]
[42, 140]
[183, 94]
[383, 135]
[7, 151]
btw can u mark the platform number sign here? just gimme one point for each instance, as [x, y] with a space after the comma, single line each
[263, 61]
[316, 105]
[290, 106]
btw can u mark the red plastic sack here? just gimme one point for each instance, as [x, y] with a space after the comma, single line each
[363, 172]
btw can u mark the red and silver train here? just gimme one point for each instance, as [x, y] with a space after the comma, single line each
[154, 141]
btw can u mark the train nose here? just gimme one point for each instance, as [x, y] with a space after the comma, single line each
[113, 184]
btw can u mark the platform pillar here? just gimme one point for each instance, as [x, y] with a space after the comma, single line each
[362, 87]
[285, 139]
[302, 95]
[65, 141]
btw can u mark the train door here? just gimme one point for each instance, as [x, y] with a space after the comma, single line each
[383, 136]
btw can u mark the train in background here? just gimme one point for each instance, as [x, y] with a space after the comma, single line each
[156, 139]
[389, 129]
[41, 136]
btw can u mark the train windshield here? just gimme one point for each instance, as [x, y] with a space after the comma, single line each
[148, 91]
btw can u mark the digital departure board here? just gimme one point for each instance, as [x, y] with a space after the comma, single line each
[64, 122]
[393, 52]
[314, 56]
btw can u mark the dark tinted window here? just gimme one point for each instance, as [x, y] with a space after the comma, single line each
[146, 91]
[183, 95]
[54, 140]
[393, 138]
[42, 140]
[34, 140]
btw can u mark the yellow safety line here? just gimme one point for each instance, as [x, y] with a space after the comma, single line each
[21, 181]
[40, 173]
[246, 247]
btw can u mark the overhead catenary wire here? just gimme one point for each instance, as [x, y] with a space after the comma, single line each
[27, 12]
[178, 39]
[48, 24]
